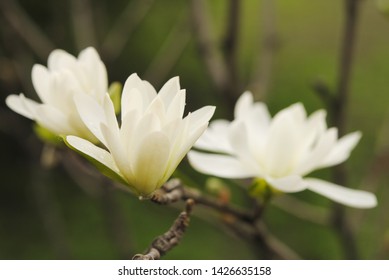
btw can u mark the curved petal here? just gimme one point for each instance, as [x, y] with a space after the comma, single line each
[59, 59]
[169, 90]
[95, 71]
[41, 82]
[92, 114]
[342, 149]
[115, 146]
[291, 183]
[149, 163]
[54, 120]
[175, 109]
[200, 117]
[319, 151]
[219, 165]
[283, 143]
[215, 138]
[343, 195]
[22, 105]
[243, 104]
[93, 151]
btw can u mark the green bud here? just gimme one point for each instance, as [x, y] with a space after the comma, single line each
[262, 190]
[214, 185]
[115, 90]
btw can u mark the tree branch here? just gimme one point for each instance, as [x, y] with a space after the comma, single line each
[174, 191]
[261, 78]
[339, 109]
[232, 88]
[169, 239]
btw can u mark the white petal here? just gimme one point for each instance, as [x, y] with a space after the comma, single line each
[342, 149]
[239, 141]
[243, 104]
[150, 163]
[219, 165]
[137, 94]
[127, 130]
[169, 90]
[215, 138]
[91, 113]
[41, 82]
[93, 151]
[181, 146]
[295, 112]
[323, 146]
[200, 117]
[115, 146]
[340, 194]
[54, 120]
[96, 72]
[282, 147]
[291, 183]
[110, 115]
[59, 59]
[22, 105]
[177, 106]
[157, 108]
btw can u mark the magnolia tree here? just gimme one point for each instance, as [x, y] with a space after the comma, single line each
[143, 148]
[137, 136]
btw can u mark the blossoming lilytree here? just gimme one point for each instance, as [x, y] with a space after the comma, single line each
[279, 151]
[152, 139]
[56, 85]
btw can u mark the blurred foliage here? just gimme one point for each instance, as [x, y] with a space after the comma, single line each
[45, 213]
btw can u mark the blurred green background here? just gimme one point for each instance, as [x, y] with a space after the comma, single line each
[58, 212]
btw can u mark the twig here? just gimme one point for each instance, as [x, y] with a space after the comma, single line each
[275, 245]
[26, 28]
[174, 191]
[261, 78]
[339, 108]
[230, 46]
[169, 239]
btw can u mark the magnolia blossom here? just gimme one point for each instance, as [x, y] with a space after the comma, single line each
[280, 151]
[153, 136]
[56, 85]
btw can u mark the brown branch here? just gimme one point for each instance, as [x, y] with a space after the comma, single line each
[230, 46]
[174, 191]
[338, 110]
[169, 239]
[261, 78]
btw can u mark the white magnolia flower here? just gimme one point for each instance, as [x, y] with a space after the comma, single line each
[153, 136]
[280, 151]
[56, 85]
